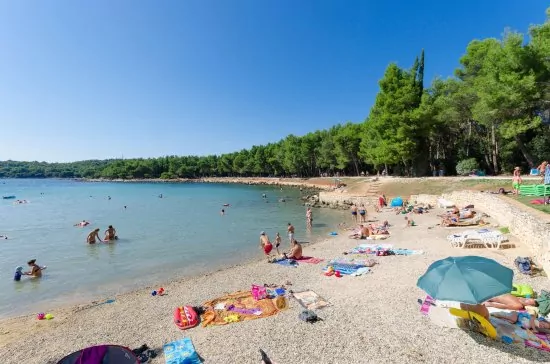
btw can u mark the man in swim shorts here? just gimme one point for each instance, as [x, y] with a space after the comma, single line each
[290, 230]
[92, 236]
[353, 210]
[265, 243]
[295, 251]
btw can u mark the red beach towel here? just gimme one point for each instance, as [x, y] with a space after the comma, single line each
[310, 260]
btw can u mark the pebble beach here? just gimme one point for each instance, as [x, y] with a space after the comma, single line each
[371, 318]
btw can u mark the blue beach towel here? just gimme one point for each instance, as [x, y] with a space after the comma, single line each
[287, 263]
[547, 175]
[181, 352]
[345, 268]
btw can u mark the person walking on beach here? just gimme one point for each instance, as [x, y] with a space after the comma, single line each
[290, 230]
[277, 242]
[92, 236]
[354, 213]
[516, 180]
[265, 244]
[309, 217]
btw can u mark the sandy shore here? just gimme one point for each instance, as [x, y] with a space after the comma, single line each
[372, 319]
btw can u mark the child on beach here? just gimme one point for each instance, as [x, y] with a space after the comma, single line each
[277, 242]
[410, 222]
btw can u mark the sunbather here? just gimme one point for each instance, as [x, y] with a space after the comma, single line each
[510, 302]
[295, 251]
[363, 233]
[479, 309]
[527, 321]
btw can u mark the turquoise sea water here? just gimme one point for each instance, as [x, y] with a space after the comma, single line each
[180, 234]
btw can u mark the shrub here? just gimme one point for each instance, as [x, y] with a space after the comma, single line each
[466, 166]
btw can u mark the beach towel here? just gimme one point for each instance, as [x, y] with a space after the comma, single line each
[310, 300]
[287, 263]
[240, 306]
[355, 262]
[360, 272]
[515, 334]
[310, 260]
[539, 201]
[344, 268]
[547, 175]
[406, 252]
[181, 352]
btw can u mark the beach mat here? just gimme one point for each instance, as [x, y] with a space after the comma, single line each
[287, 263]
[310, 260]
[245, 307]
[310, 300]
[181, 352]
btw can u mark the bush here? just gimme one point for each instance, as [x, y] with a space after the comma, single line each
[466, 166]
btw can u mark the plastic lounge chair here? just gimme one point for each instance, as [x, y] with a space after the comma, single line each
[489, 238]
[445, 203]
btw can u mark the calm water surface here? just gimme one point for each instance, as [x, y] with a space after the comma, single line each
[160, 238]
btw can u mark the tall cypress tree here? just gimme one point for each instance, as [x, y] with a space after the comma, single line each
[420, 76]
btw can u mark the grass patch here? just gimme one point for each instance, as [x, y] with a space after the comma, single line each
[526, 200]
[504, 230]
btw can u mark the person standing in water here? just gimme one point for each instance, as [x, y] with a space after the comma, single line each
[290, 230]
[222, 212]
[35, 270]
[92, 236]
[309, 217]
[110, 233]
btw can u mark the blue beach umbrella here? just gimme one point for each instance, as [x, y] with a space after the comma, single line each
[467, 279]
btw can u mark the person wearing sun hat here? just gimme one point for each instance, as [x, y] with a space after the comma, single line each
[265, 244]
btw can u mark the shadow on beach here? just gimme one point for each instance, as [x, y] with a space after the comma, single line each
[526, 353]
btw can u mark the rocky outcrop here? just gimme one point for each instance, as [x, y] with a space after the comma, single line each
[343, 200]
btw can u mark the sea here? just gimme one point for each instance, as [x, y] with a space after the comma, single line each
[160, 239]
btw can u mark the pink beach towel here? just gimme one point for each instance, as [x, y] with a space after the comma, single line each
[539, 201]
[310, 260]
[428, 302]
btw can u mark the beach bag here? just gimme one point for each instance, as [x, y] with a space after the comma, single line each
[309, 316]
[258, 292]
[523, 265]
[522, 290]
[185, 317]
[101, 354]
[181, 352]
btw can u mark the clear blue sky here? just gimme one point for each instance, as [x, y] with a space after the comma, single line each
[100, 79]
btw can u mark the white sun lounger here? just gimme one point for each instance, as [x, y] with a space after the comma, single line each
[443, 203]
[489, 238]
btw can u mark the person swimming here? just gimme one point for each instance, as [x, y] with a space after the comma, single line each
[90, 239]
[35, 270]
[110, 234]
[82, 223]
[222, 212]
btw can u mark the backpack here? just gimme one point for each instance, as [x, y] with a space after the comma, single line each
[309, 316]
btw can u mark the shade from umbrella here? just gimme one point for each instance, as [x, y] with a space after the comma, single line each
[469, 279]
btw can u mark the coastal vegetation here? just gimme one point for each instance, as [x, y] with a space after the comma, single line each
[493, 114]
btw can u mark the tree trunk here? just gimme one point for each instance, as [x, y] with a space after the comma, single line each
[494, 148]
[356, 166]
[525, 152]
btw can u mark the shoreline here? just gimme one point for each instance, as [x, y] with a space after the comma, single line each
[356, 304]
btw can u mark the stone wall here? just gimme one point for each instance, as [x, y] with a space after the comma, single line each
[343, 200]
[532, 228]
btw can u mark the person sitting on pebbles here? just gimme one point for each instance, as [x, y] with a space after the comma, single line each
[295, 251]
[363, 233]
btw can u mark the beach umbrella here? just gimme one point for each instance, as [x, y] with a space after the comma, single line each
[469, 279]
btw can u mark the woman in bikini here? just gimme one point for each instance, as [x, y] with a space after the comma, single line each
[363, 213]
[35, 270]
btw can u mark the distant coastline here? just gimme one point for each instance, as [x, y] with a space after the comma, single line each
[324, 184]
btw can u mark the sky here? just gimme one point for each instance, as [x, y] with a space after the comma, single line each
[110, 79]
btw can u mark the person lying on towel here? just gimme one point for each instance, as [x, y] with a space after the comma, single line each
[363, 233]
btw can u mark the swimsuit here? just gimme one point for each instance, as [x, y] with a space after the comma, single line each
[268, 247]
[354, 212]
[362, 212]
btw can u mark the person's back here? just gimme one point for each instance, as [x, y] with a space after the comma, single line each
[296, 252]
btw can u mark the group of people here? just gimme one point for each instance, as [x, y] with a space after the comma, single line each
[295, 251]
[453, 216]
[35, 271]
[358, 213]
[364, 231]
[110, 235]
